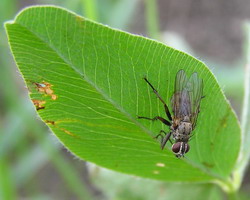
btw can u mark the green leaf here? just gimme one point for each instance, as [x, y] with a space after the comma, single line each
[86, 80]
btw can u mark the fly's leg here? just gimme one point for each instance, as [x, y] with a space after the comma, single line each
[160, 135]
[165, 138]
[170, 141]
[164, 121]
[157, 94]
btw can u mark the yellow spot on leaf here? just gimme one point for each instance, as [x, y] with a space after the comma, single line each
[160, 164]
[78, 18]
[53, 97]
[68, 132]
[39, 104]
[156, 172]
[55, 124]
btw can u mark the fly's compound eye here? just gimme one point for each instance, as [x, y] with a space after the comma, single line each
[186, 147]
[180, 148]
[176, 147]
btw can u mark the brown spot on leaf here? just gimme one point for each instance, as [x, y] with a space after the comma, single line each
[223, 121]
[53, 97]
[50, 122]
[62, 129]
[212, 146]
[68, 132]
[208, 165]
[78, 18]
[39, 104]
[45, 88]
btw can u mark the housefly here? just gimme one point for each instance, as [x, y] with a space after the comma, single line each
[185, 104]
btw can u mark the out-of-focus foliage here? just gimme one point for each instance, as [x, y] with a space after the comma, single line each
[32, 163]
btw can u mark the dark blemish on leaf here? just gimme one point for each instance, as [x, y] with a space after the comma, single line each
[116, 165]
[39, 104]
[49, 122]
[78, 18]
[45, 88]
[212, 146]
[223, 122]
[208, 165]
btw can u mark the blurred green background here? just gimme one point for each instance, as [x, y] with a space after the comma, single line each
[34, 165]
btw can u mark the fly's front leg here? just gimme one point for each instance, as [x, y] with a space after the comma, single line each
[171, 141]
[164, 139]
[164, 121]
[160, 135]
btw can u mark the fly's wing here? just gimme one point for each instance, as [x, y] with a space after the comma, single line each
[181, 103]
[195, 90]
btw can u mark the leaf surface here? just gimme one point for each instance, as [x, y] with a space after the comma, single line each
[86, 81]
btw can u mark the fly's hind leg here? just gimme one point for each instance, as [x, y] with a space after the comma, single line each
[157, 94]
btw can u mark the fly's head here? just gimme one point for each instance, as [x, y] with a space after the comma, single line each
[180, 148]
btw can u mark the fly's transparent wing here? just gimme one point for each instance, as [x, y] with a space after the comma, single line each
[180, 81]
[181, 104]
[195, 90]
[187, 97]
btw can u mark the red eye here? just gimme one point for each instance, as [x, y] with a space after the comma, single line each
[180, 148]
[187, 148]
[176, 147]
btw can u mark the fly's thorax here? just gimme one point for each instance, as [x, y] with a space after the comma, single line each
[182, 132]
[185, 128]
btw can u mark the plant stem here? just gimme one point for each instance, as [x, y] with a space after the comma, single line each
[90, 10]
[245, 125]
[233, 196]
[152, 19]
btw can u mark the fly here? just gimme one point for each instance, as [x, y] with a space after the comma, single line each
[185, 104]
